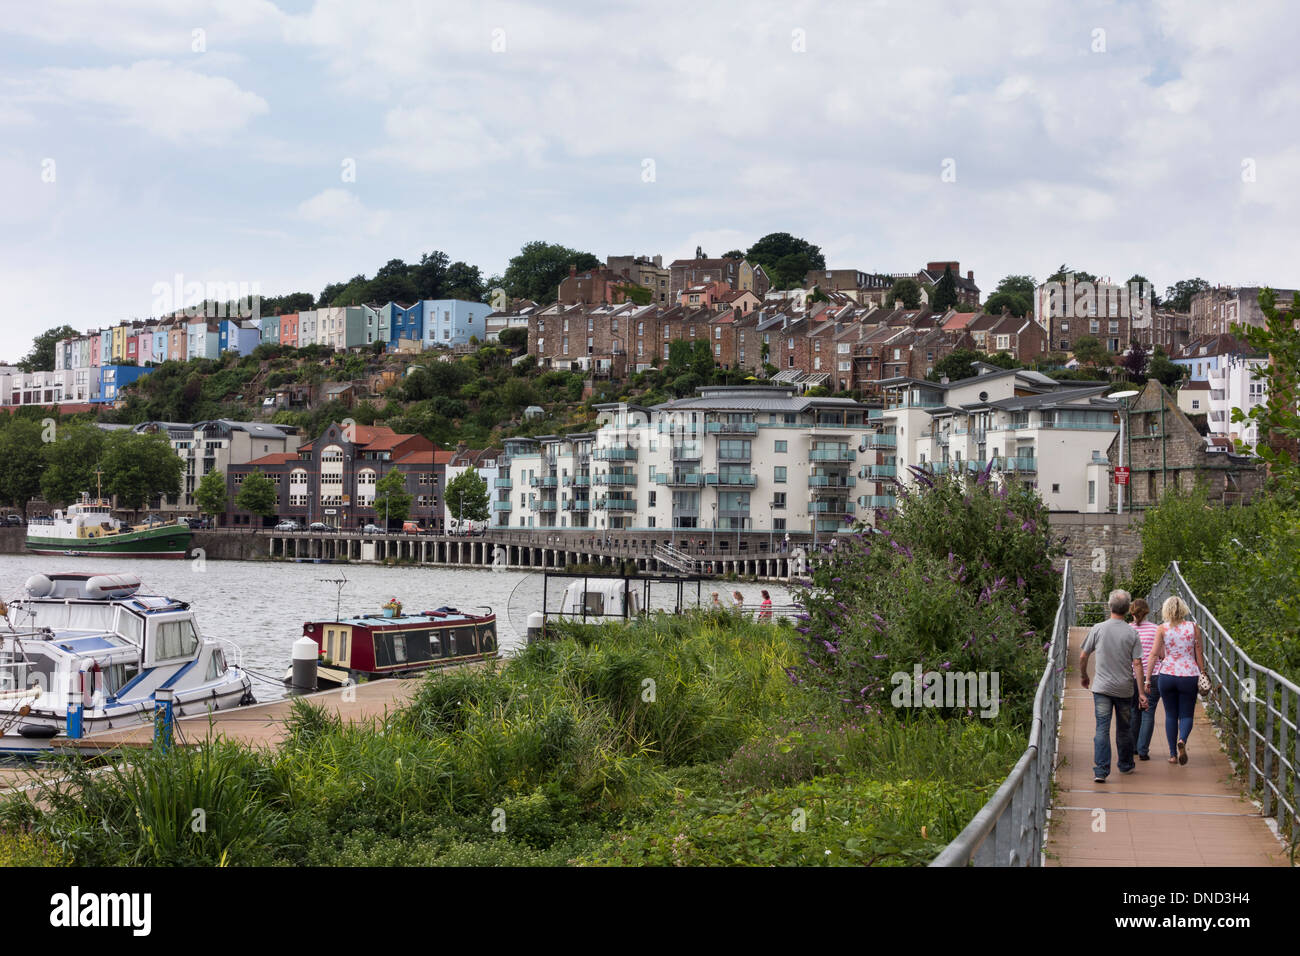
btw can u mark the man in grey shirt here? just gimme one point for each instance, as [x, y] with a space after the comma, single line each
[1119, 664]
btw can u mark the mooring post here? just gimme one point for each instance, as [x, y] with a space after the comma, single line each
[165, 698]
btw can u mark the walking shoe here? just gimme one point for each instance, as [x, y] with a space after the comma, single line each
[1129, 770]
[1144, 757]
[1098, 779]
[1182, 751]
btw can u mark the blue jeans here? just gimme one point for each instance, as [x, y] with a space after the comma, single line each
[1122, 707]
[1179, 694]
[1145, 720]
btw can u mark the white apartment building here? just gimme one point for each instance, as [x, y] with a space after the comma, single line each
[43, 388]
[1233, 385]
[1044, 434]
[726, 460]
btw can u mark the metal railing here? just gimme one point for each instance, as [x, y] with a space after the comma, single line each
[1256, 708]
[1008, 830]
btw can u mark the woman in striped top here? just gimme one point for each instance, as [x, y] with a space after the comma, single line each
[1145, 720]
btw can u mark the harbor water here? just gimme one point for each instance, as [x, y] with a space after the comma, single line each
[260, 607]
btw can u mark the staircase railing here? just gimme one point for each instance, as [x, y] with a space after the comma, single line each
[671, 557]
[1256, 709]
[1008, 830]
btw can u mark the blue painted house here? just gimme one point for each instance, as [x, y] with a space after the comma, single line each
[454, 321]
[113, 378]
[270, 329]
[405, 322]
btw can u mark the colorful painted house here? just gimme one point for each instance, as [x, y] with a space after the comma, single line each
[288, 329]
[454, 321]
[113, 378]
[270, 330]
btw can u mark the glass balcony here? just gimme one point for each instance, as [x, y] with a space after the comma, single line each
[544, 481]
[880, 501]
[577, 504]
[832, 454]
[831, 524]
[690, 451]
[882, 472]
[724, 479]
[616, 504]
[503, 483]
[616, 481]
[502, 506]
[580, 481]
[1016, 464]
[882, 440]
[616, 453]
[833, 506]
[832, 481]
[545, 506]
[681, 479]
[731, 428]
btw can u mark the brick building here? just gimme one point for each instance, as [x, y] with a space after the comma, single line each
[647, 271]
[736, 273]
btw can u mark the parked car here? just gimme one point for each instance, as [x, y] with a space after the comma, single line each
[372, 529]
[13, 519]
[412, 527]
[288, 525]
[321, 527]
[466, 526]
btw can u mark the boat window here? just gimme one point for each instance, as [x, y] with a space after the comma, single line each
[343, 645]
[451, 641]
[216, 664]
[399, 648]
[117, 676]
[174, 639]
[595, 602]
[130, 626]
[485, 638]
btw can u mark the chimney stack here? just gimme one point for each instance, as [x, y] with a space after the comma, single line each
[970, 275]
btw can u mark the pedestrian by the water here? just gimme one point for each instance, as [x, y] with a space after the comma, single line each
[737, 600]
[716, 605]
[1178, 646]
[1119, 666]
[765, 608]
[787, 542]
[1145, 720]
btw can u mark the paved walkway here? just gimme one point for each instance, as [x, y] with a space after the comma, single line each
[1162, 814]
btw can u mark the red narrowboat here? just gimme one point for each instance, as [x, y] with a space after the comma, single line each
[374, 646]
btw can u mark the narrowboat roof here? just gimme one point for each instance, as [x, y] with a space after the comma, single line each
[421, 619]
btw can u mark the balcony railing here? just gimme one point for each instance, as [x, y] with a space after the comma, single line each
[544, 481]
[505, 483]
[616, 480]
[834, 506]
[880, 501]
[690, 451]
[731, 479]
[616, 504]
[731, 428]
[832, 481]
[577, 504]
[832, 454]
[882, 440]
[882, 472]
[1016, 464]
[616, 453]
[544, 506]
[689, 479]
[581, 481]
[502, 506]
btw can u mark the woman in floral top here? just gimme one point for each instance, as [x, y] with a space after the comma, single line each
[1178, 648]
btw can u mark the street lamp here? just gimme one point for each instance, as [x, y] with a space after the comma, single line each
[771, 527]
[1122, 398]
[714, 546]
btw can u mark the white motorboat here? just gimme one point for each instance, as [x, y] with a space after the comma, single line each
[85, 653]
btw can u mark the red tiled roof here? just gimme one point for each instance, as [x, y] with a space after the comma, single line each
[280, 458]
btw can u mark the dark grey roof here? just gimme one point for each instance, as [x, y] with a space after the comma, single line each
[1052, 399]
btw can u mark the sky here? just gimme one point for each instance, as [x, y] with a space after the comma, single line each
[294, 144]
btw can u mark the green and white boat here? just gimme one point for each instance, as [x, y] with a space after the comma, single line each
[89, 528]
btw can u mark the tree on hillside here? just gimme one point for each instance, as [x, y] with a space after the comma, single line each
[1014, 302]
[945, 292]
[515, 339]
[392, 501]
[1140, 282]
[907, 291]
[1135, 361]
[786, 259]
[211, 495]
[20, 461]
[1021, 284]
[1064, 272]
[464, 282]
[1277, 418]
[1089, 351]
[1165, 371]
[138, 467]
[1179, 295]
[539, 268]
[733, 254]
[70, 463]
[467, 496]
[257, 495]
[286, 304]
[957, 364]
[41, 357]
[392, 283]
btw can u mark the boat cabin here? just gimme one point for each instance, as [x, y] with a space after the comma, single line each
[377, 646]
[594, 597]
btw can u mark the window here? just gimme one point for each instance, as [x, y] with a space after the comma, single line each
[717, 332]
[174, 639]
[778, 474]
[1196, 403]
[781, 447]
[1092, 492]
[651, 502]
[1056, 489]
[778, 500]
[817, 345]
[778, 524]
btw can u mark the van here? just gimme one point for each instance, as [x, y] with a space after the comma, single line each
[411, 527]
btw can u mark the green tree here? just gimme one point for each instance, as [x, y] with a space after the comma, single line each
[1018, 284]
[211, 494]
[536, 272]
[20, 461]
[392, 501]
[70, 463]
[1165, 371]
[257, 495]
[515, 339]
[1277, 418]
[138, 467]
[1135, 361]
[945, 292]
[464, 282]
[1089, 351]
[908, 291]
[41, 357]
[1140, 282]
[467, 496]
[786, 259]
[956, 365]
[1016, 303]
[1179, 295]
[1064, 272]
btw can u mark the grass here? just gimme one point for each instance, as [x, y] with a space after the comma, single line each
[678, 740]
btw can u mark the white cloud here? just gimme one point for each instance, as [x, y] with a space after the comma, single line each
[342, 211]
[167, 101]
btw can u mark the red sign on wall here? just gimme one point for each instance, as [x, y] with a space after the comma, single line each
[1121, 474]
